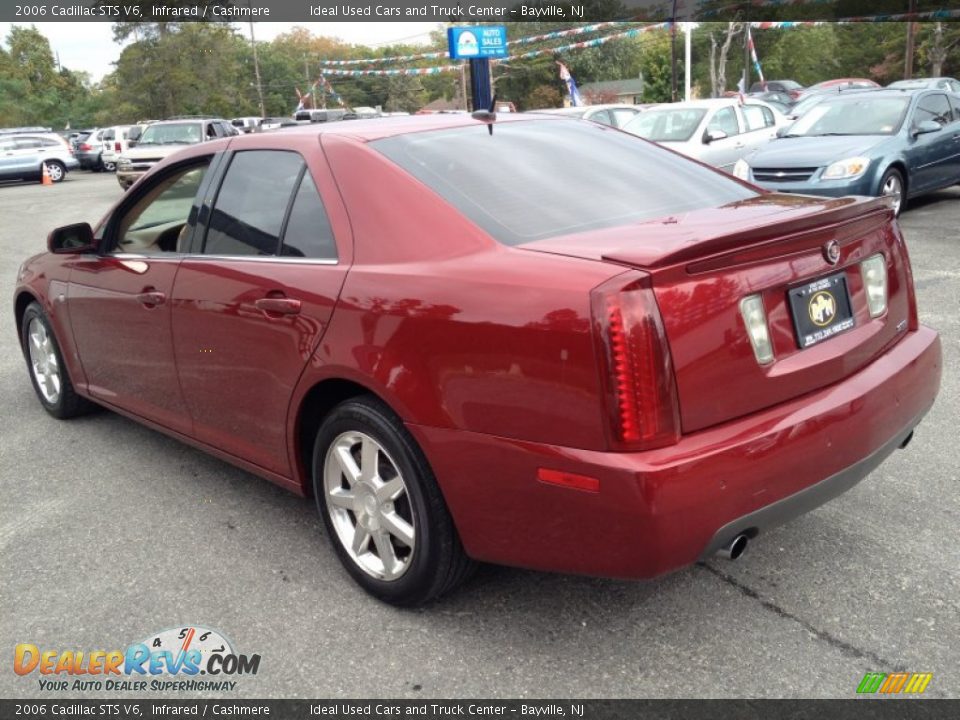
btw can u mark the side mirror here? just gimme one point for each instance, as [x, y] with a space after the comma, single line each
[927, 126]
[711, 135]
[72, 239]
[131, 143]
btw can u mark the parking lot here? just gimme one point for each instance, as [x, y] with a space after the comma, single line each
[110, 532]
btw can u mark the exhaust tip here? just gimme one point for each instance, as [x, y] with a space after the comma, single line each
[906, 440]
[734, 549]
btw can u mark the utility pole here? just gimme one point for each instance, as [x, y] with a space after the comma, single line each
[673, 52]
[746, 57]
[256, 69]
[687, 40]
[911, 32]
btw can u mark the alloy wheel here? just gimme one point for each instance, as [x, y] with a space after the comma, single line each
[893, 187]
[55, 172]
[369, 507]
[43, 361]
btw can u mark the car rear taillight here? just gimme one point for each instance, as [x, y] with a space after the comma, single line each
[642, 395]
[117, 148]
[85, 147]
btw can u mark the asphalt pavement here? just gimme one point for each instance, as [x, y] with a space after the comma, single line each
[110, 532]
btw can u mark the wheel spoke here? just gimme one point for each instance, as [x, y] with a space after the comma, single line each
[361, 540]
[387, 555]
[369, 456]
[36, 340]
[341, 498]
[398, 527]
[347, 464]
[390, 490]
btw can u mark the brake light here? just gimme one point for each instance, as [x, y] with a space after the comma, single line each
[642, 397]
[85, 147]
[116, 147]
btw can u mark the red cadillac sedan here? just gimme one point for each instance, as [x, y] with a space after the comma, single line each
[528, 340]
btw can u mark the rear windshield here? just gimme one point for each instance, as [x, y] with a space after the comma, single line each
[538, 179]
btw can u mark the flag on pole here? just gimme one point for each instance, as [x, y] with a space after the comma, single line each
[754, 58]
[575, 99]
[301, 99]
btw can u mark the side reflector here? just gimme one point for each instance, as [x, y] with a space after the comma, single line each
[570, 480]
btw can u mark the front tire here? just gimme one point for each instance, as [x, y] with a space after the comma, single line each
[48, 373]
[382, 507]
[892, 185]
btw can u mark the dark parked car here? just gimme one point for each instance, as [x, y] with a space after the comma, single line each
[790, 88]
[553, 345]
[886, 142]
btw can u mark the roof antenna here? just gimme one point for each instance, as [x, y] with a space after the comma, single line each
[488, 116]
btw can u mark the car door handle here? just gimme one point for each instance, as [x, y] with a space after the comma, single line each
[278, 305]
[151, 298]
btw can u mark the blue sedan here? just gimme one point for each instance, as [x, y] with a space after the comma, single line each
[886, 142]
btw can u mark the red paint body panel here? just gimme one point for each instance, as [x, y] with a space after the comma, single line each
[490, 354]
[657, 511]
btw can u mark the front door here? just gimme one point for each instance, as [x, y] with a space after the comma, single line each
[119, 300]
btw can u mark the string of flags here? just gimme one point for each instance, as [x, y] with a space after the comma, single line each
[754, 58]
[596, 42]
[395, 71]
[569, 32]
[787, 24]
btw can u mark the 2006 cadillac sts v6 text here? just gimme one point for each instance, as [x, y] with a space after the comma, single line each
[532, 341]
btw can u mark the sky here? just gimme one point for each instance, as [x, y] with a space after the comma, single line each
[89, 46]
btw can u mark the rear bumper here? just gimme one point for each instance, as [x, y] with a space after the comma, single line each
[663, 509]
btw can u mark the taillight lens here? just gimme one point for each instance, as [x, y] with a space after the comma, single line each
[85, 147]
[874, 271]
[116, 147]
[755, 320]
[642, 396]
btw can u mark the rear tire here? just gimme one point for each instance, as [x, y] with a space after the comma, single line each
[382, 508]
[56, 170]
[48, 373]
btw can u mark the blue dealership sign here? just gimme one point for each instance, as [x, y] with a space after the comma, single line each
[477, 41]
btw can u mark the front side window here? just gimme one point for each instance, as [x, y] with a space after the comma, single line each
[537, 179]
[158, 220]
[252, 202]
[933, 107]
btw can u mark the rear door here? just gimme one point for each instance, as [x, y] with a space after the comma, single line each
[759, 126]
[120, 301]
[253, 298]
[933, 154]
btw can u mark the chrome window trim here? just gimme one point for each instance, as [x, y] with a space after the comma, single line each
[235, 258]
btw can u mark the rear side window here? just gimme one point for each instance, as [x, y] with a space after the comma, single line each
[537, 179]
[757, 117]
[252, 202]
[308, 232]
[725, 120]
[27, 143]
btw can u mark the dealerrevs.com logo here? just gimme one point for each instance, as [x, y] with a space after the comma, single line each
[173, 659]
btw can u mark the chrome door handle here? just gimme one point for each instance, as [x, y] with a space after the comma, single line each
[151, 298]
[278, 305]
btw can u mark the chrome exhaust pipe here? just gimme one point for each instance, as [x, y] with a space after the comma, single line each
[734, 549]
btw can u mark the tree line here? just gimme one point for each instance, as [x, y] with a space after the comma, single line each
[170, 68]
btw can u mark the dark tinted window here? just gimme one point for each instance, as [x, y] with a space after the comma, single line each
[933, 107]
[308, 232]
[252, 202]
[537, 179]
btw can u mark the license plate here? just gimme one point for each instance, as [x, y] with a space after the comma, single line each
[821, 309]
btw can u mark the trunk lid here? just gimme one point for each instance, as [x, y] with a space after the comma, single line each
[703, 263]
